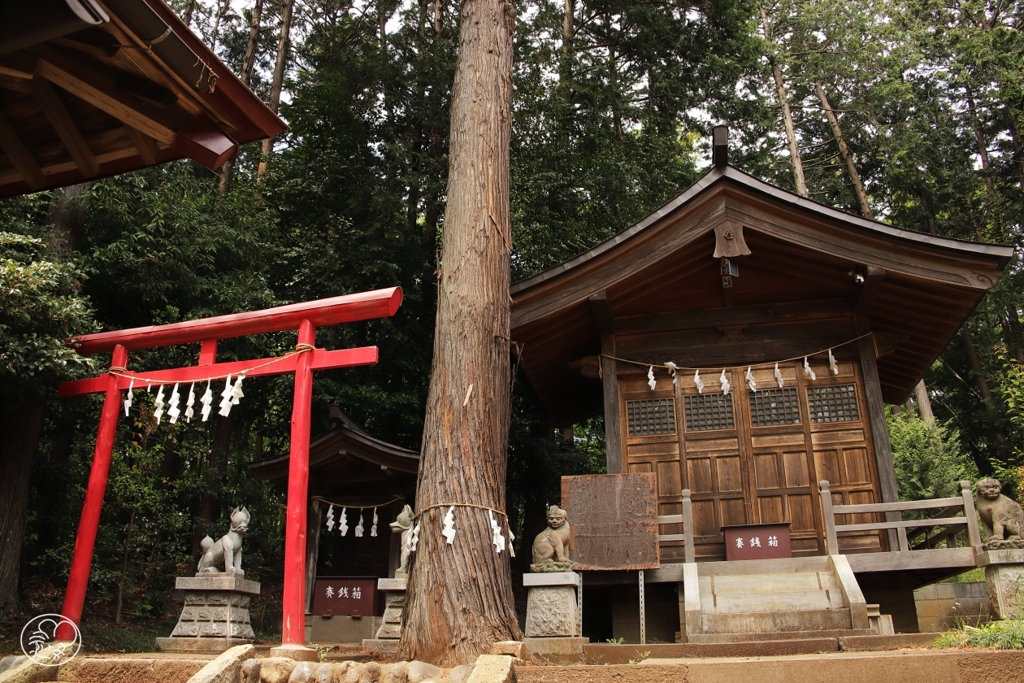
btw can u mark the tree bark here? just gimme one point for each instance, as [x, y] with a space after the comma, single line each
[19, 437]
[845, 153]
[924, 404]
[278, 80]
[460, 595]
[248, 64]
[787, 114]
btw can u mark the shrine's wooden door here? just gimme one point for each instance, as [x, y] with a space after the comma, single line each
[753, 457]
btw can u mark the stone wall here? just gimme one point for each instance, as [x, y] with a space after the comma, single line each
[941, 606]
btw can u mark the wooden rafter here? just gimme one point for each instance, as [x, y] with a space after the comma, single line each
[66, 129]
[99, 90]
[20, 155]
[147, 149]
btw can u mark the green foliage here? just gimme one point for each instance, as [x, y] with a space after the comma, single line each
[40, 307]
[998, 635]
[929, 462]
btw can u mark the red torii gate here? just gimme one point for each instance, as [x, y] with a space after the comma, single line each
[304, 317]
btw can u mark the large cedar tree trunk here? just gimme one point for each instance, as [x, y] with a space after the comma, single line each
[460, 596]
[19, 436]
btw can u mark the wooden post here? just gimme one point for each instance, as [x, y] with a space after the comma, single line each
[831, 541]
[688, 552]
[612, 422]
[293, 627]
[316, 511]
[88, 524]
[879, 432]
[973, 534]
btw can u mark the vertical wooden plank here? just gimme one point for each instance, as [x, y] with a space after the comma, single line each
[688, 552]
[973, 534]
[831, 541]
[612, 409]
[748, 477]
[901, 534]
[312, 549]
[812, 473]
[681, 434]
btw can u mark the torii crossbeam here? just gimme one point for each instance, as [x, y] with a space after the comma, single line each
[305, 318]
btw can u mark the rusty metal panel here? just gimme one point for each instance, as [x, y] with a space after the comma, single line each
[613, 521]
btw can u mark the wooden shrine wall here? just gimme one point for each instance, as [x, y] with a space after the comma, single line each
[753, 457]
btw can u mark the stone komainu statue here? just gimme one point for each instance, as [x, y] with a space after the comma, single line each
[551, 547]
[226, 552]
[1001, 517]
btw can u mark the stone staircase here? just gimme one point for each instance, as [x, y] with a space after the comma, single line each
[761, 600]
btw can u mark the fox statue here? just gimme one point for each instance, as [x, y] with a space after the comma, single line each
[228, 550]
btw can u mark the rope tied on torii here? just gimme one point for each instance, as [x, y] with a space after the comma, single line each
[305, 318]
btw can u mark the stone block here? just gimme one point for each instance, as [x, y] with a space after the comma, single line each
[552, 579]
[392, 584]
[1006, 589]
[217, 582]
[493, 669]
[551, 612]
[512, 648]
[560, 647]
[298, 653]
[393, 615]
[199, 645]
[384, 647]
[422, 671]
[393, 631]
[226, 668]
[277, 669]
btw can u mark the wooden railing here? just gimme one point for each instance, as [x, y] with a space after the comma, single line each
[954, 513]
[686, 519]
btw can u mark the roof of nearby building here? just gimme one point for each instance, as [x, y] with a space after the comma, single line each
[93, 88]
[659, 278]
[348, 462]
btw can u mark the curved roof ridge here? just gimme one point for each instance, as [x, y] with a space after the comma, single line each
[716, 174]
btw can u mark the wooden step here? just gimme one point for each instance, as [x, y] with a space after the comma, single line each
[747, 584]
[792, 601]
[761, 624]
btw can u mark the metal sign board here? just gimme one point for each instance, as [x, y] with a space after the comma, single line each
[613, 521]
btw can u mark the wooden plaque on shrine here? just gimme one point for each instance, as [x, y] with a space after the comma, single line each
[613, 521]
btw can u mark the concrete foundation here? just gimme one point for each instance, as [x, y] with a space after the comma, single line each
[942, 606]
[340, 629]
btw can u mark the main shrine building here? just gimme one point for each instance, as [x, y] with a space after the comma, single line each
[813, 318]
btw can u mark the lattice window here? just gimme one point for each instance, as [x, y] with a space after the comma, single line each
[833, 404]
[708, 411]
[656, 416]
[774, 407]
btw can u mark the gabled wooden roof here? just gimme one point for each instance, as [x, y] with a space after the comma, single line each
[348, 462]
[93, 88]
[662, 284]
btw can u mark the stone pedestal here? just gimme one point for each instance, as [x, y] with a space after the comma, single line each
[390, 631]
[215, 616]
[552, 617]
[1004, 577]
[551, 608]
